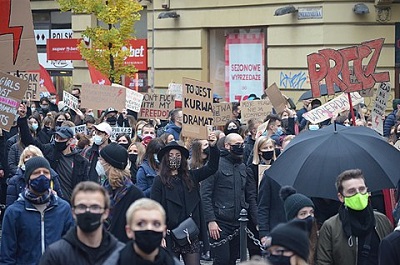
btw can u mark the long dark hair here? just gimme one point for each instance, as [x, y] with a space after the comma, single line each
[166, 176]
[152, 148]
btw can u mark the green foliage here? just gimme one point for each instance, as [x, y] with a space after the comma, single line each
[118, 18]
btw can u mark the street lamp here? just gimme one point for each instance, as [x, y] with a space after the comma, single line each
[285, 10]
[168, 14]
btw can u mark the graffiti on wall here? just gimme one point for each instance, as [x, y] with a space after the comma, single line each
[293, 80]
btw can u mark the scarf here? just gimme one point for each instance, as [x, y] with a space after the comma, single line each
[357, 223]
[36, 199]
[117, 194]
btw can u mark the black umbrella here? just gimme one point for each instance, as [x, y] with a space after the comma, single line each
[322, 88]
[313, 160]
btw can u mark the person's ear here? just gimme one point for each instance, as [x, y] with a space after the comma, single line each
[129, 233]
[340, 197]
[105, 214]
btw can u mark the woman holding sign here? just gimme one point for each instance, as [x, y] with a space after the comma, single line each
[176, 188]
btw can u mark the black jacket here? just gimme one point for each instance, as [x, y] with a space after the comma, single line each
[174, 206]
[223, 193]
[69, 250]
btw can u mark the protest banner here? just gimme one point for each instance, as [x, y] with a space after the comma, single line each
[329, 109]
[118, 130]
[261, 170]
[70, 100]
[258, 109]
[101, 97]
[133, 100]
[175, 89]
[196, 108]
[12, 90]
[33, 79]
[320, 68]
[277, 99]
[222, 112]
[378, 112]
[18, 47]
[80, 129]
[156, 106]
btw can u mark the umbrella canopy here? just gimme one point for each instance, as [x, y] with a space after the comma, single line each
[324, 92]
[313, 160]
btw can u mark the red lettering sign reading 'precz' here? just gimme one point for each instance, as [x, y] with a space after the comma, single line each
[63, 49]
[319, 68]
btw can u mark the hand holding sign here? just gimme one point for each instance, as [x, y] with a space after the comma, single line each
[212, 138]
[22, 110]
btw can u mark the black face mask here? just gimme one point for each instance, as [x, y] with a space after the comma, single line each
[232, 131]
[285, 123]
[88, 222]
[58, 123]
[112, 120]
[397, 135]
[267, 155]
[124, 146]
[133, 158]
[240, 115]
[60, 146]
[310, 221]
[279, 260]
[206, 151]
[148, 240]
[237, 149]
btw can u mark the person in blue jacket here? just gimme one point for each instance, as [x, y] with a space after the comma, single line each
[37, 219]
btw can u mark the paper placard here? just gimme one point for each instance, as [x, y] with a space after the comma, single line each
[175, 89]
[196, 108]
[156, 106]
[222, 113]
[70, 100]
[336, 105]
[378, 112]
[261, 170]
[133, 100]
[277, 99]
[101, 97]
[80, 129]
[118, 130]
[33, 78]
[258, 109]
[12, 90]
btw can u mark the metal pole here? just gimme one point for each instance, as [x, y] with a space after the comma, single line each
[152, 48]
[243, 235]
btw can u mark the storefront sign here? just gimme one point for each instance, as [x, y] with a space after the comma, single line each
[137, 54]
[63, 49]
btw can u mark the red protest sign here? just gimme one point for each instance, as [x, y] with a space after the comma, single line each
[63, 49]
[319, 68]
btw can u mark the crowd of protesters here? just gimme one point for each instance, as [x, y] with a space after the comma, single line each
[98, 198]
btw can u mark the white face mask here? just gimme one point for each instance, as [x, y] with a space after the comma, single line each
[98, 140]
[313, 127]
[54, 101]
[100, 169]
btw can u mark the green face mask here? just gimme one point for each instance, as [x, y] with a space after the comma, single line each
[357, 202]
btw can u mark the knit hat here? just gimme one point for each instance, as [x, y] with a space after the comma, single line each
[395, 102]
[34, 163]
[292, 235]
[115, 155]
[293, 202]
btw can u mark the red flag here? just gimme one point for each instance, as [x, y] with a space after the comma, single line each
[97, 77]
[45, 80]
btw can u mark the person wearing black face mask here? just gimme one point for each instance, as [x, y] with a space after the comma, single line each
[88, 242]
[231, 126]
[37, 210]
[110, 116]
[223, 196]
[145, 225]
[63, 159]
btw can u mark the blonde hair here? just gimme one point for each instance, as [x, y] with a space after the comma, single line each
[115, 176]
[141, 150]
[30, 149]
[257, 145]
[143, 204]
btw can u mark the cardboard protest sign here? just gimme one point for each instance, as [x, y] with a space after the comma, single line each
[319, 68]
[100, 97]
[133, 100]
[12, 90]
[261, 170]
[156, 106]
[175, 89]
[336, 105]
[258, 109]
[80, 129]
[118, 130]
[17, 42]
[277, 99]
[222, 112]
[33, 78]
[70, 100]
[378, 112]
[196, 108]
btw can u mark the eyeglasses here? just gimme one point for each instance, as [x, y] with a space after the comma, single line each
[82, 208]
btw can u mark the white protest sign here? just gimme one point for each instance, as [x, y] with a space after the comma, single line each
[71, 101]
[118, 130]
[378, 112]
[133, 100]
[80, 129]
[336, 105]
[175, 89]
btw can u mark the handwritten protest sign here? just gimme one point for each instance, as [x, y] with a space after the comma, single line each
[258, 109]
[319, 68]
[33, 78]
[378, 112]
[80, 129]
[336, 105]
[175, 89]
[277, 99]
[196, 108]
[118, 130]
[100, 97]
[261, 170]
[18, 47]
[12, 90]
[222, 112]
[71, 101]
[156, 106]
[133, 100]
